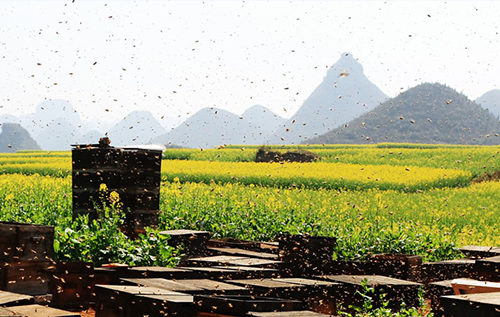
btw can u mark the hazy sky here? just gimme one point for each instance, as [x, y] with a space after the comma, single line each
[175, 57]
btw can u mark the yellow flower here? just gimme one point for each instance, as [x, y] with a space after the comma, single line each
[103, 188]
[114, 197]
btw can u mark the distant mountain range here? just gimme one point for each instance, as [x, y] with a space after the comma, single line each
[491, 102]
[428, 113]
[15, 138]
[344, 94]
[211, 127]
[345, 108]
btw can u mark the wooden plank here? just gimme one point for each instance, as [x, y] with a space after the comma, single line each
[306, 281]
[125, 300]
[42, 311]
[254, 262]
[214, 273]
[243, 252]
[231, 260]
[469, 286]
[158, 271]
[184, 232]
[302, 313]
[240, 272]
[477, 305]
[212, 260]
[4, 312]
[9, 298]
[372, 280]
[190, 286]
[477, 252]
[164, 284]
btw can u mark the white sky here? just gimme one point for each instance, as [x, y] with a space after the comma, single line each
[124, 55]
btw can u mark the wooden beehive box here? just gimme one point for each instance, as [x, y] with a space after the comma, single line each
[26, 242]
[26, 277]
[293, 248]
[134, 173]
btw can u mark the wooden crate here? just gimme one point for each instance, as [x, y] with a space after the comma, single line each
[193, 243]
[165, 305]
[447, 270]
[26, 277]
[401, 266]
[298, 248]
[26, 242]
[396, 290]
[317, 295]
[476, 305]
[125, 300]
[71, 284]
[234, 305]
[134, 173]
[488, 269]
[434, 291]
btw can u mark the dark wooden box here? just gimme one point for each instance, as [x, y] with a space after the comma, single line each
[71, 284]
[26, 242]
[294, 248]
[26, 277]
[234, 305]
[134, 173]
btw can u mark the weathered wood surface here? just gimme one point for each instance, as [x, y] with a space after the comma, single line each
[243, 252]
[5, 312]
[9, 298]
[190, 286]
[42, 311]
[476, 305]
[469, 286]
[235, 260]
[270, 247]
[477, 252]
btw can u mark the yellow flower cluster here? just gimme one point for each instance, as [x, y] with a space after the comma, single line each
[326, 175]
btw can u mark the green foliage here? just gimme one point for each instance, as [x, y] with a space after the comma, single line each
[101, 240]
[367, 308]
